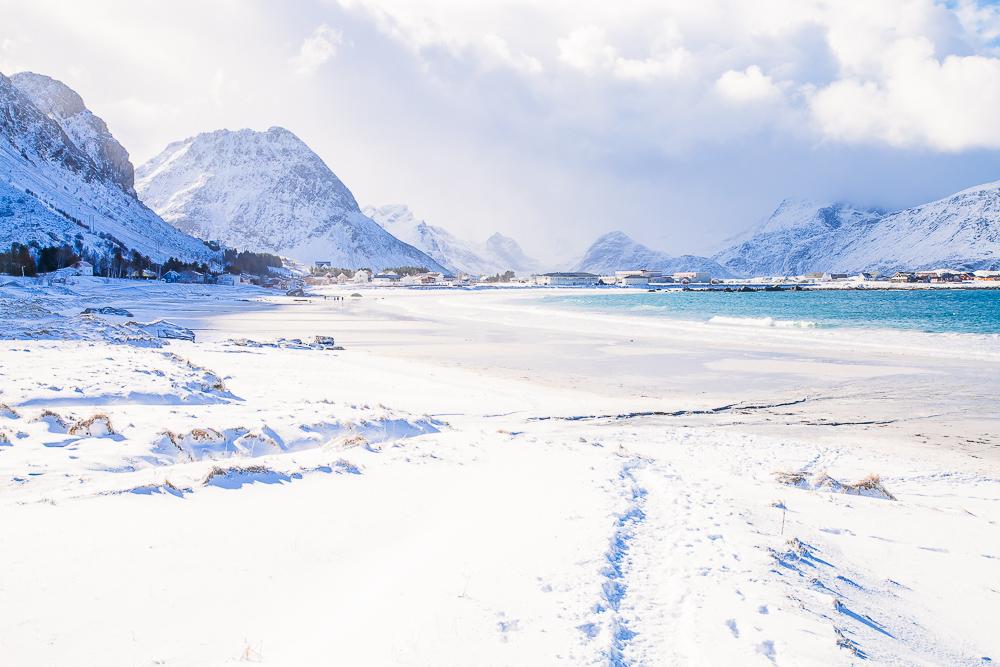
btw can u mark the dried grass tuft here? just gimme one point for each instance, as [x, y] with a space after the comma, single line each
[869, 486]
[97, 426]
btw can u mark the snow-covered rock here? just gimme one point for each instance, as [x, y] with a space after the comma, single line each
[267, 192]
[498, 254]
[64, 179]
[616, 251]
[961, 231]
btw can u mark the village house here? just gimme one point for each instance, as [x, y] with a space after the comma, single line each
[387, 278]
[902, 277]
[362, 276]
[566, 279]
[688, 277]
[229, 279]
[83, 268]
[632, 280]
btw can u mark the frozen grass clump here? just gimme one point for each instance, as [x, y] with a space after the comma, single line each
[792, 479]
[234, 477]
[8, 412]
[255, 444]
[4, 439]
[54, 420]
[98, 426]
[870, 487]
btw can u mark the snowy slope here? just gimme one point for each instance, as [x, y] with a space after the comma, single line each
[498, 254]
[508, 253]
[63, 174]
[798, 237]
[959, 231]
[616, 251]
[267, 191]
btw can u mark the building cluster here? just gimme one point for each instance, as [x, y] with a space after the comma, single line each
[944, 276]
[388, 278]
[628, 278]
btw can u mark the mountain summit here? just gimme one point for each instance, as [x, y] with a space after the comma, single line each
[616, 251]
[267, 191]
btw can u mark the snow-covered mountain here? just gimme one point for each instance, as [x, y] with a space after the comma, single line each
[498, 254]
[616, 251]
[268, 191]
[960, 231]
[791, 240]
[64, 179]
[508, 253]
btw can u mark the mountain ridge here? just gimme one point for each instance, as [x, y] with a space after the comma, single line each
[267, 191]
[617, 251]
[498, 254]
[961, 231]
[56, 192]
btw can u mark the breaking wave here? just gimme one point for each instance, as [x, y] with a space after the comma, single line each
[766, 322]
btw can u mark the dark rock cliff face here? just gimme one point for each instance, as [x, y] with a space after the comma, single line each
[87, 131]
[65, 180]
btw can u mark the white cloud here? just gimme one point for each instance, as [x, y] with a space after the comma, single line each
[317, 49]
[578, 110]
[749, 85]
[496, 52]
[948, 104]
[587, 49]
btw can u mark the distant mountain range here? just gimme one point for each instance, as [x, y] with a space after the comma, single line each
[961, 231]
[65, 180]
[498, 254]
[616, 251]
[268, 192]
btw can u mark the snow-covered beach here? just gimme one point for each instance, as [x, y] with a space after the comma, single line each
[480, 478]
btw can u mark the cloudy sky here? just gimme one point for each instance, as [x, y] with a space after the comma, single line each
[681, 123]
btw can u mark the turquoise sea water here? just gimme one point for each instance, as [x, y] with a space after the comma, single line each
[937, 311]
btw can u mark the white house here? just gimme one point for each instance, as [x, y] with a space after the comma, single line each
[385, 279]
[631, 280]
[686, 277]
[228, 279]
[566, 279]
[342, 278]
[362, 276]
[83, 268]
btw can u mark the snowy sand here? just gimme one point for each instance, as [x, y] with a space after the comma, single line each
[477, 479]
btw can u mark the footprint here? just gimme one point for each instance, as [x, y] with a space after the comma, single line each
[731, 623]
